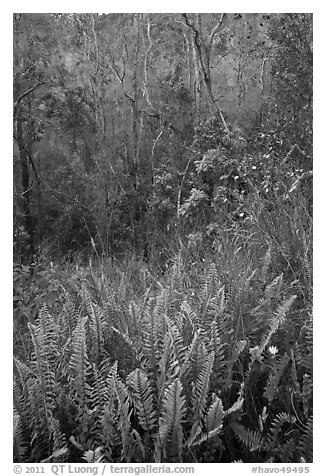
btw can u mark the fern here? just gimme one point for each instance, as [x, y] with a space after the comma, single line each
[79, 366]
[93, 456]
[273, 434]
[142, 398]
[278, 318]
[274, 288]
[274, 378]
[306, 394]
[200, 390]
[252, 440]
[153, 328]
[306, 442]
[59, 442]
[169, 443]
[266, 261]
[217, 304]
[239, 347]
[109, 421]
[124, 412]
[17, 437]
[175, 342]
[96, 325]
[168, 368]
[45, 342]
[189, 356]
[178, 347]
[215, 414]
[212, 425]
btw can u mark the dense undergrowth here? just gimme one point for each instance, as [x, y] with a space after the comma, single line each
[206, 359]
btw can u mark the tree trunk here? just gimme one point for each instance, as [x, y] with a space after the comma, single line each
[25, 178]
[203, 49]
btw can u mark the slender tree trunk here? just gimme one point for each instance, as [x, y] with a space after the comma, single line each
[25, 178]
[203, 49]
[197, 82]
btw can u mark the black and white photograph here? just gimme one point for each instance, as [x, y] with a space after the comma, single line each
[162, 240]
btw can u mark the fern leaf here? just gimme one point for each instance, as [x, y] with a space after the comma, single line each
[170, 438]
[215, 414]
[79, 363]
[168, 368]
[252, 440]
[306, 394]
[142, 398]
[44, 338]
[273, 434]
[278, 318]
[275, 377]
[306, 442]
[95, 456]
[96, 326]
[190, 355]
[110, 427]
[124, 413]
[265, 264]
[274, 288]
[177, 342]
[200, 391]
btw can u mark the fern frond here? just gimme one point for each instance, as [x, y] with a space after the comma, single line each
[142, 398]
[45, 341]
[200, 390]
[110, 426]
[239, 347]
[266, 261]
[178, 347]
[190, 314]
[307, 394]
[274, 288]
[306, 442]
[93, 456]
[217, 304]
[273, 434]
[17, 437]
[168, 368]
[190, 355]
[169, 443]
[238, 404]
[215, 414]
[124, 413]
[275, 377]
[98, 390]
[252, 440]
[59, 442]
[79, 364]
[278, 318]
[288, 450]
[96, 325]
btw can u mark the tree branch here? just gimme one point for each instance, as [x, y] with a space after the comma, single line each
[26, 93]
[214, 30]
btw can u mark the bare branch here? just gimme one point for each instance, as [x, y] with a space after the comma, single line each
[214, 30]
[26, 93]
[154, 144]
[146, 62]
[95, 42]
